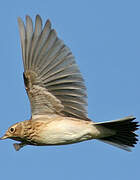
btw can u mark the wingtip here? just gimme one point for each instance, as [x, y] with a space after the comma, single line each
[38, 16]
[27, 17]
[54, 32]
[20, 23]
[19, 19]
[48, 22]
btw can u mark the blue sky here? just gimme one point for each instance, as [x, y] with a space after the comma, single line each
[104, 36]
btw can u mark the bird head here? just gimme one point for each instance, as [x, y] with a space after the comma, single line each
[14, 132]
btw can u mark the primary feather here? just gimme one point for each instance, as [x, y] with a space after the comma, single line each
[52, 78]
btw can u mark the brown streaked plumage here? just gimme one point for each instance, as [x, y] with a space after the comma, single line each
[58, 98]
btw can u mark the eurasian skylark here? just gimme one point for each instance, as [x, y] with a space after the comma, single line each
[57, 95]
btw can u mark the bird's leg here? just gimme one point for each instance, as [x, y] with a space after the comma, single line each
[18, 146]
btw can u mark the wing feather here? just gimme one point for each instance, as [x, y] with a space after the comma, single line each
[22, 38]
[36, 35]
[28, 39]
[52, 78]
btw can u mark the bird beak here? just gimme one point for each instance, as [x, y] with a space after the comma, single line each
[4, 137]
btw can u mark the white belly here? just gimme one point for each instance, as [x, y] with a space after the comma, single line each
[66, 132]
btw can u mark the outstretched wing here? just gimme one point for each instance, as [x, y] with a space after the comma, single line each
[52, 79]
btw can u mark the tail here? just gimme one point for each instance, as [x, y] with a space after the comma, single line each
[124, 136]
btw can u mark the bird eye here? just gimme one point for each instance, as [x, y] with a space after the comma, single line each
[12, 129]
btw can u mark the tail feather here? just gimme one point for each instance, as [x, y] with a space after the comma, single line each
[124, 129]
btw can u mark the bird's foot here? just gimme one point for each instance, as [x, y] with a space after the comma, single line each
[18, 146]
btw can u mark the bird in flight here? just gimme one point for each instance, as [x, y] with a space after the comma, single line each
[58, 98]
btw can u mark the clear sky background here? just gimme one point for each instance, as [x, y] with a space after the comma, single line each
[104, 36]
